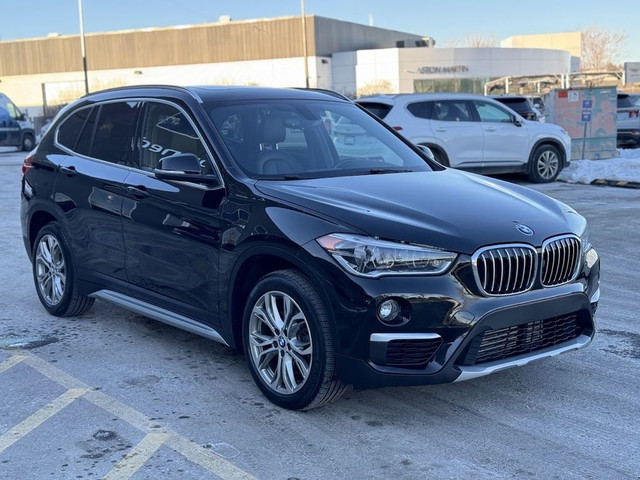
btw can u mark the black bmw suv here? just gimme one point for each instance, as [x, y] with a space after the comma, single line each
[330, 255]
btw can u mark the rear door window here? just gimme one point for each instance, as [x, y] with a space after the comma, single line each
[113, 137]
[421, 109]
[452, 111]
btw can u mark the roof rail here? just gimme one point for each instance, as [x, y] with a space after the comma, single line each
[326, 91]
[188, 90]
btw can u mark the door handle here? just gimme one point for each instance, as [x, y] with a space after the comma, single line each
[137, 192]
[440, 129]
[68, 171]
[489, 129]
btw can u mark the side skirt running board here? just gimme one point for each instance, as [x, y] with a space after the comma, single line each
[160, 314]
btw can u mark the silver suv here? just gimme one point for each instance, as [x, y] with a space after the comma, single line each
[475, 133]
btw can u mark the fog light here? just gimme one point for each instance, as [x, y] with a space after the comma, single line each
[388, 311]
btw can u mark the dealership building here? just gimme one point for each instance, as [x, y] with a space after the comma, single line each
[350, 58]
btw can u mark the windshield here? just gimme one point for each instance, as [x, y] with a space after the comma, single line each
[519, 105]
[291, 139]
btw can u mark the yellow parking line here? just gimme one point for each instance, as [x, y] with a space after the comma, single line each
[207, 459]
[54, 373]
[190, 450]
[16, 433]
[10, 362]
[133, 460]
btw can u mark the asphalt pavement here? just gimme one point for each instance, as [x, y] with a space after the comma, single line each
[115, 395]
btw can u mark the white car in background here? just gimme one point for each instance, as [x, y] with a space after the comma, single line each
[474, 132]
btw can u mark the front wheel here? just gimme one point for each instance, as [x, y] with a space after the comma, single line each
[54, 274]
[545, 164]
[289, 343]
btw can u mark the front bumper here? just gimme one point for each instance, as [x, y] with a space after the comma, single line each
[448, 324]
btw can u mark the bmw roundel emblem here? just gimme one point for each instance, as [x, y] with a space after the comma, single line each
[524, 229]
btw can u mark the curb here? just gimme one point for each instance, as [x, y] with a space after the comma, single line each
[616, 183]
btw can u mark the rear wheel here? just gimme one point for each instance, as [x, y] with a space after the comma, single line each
[289, 344]
[28, 142]
[54, 274]
[545, 164]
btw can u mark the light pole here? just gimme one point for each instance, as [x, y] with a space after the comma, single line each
[304, 44]
[83, 48]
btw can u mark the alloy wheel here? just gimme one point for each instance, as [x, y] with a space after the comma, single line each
[280, 343]
[547, 164]
[50, 270]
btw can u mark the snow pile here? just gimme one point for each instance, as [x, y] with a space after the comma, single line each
[626, 168]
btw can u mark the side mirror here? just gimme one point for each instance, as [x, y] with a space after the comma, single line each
[183, 167]
[427, 152]
[517, 122]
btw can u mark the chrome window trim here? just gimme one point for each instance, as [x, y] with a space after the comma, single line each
[143, 100]
[480, 251]
[578, 261]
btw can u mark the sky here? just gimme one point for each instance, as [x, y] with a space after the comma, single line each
[444, 20]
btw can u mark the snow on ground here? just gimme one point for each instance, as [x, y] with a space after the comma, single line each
[624, 168]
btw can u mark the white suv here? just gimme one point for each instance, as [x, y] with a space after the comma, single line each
[476, 133]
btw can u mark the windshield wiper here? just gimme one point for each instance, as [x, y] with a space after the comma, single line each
[283, 177]
[380, 171]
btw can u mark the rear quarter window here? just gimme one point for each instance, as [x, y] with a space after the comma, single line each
[71, 127]
[380, 110]
[624, 101]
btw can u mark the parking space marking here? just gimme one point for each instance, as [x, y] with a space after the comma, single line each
[23, 428]
[132, 461]
[207, 459]
[122, 411]
[11, 361]
[54, 373]
[190, 450]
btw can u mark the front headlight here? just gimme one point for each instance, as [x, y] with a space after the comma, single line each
[370, 257]
[584, 238]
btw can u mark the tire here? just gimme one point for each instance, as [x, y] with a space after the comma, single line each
[54, 274]
[28, 142]
[545, 164]
[291, 359]
[440, 156]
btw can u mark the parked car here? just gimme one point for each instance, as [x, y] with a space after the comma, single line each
[234, 213]
[475, 133]
[538, 103]
[521, 105]
[16, 130]
[628, 120]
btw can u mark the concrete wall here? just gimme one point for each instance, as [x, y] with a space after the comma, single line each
[27, 90]
[404, 65]
[570, 41]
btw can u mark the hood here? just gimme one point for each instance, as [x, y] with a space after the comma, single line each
[448, 209]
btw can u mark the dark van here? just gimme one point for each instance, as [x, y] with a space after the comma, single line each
[15, 129]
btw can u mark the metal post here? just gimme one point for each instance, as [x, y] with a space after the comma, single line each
[83, 48]
[304, 44]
